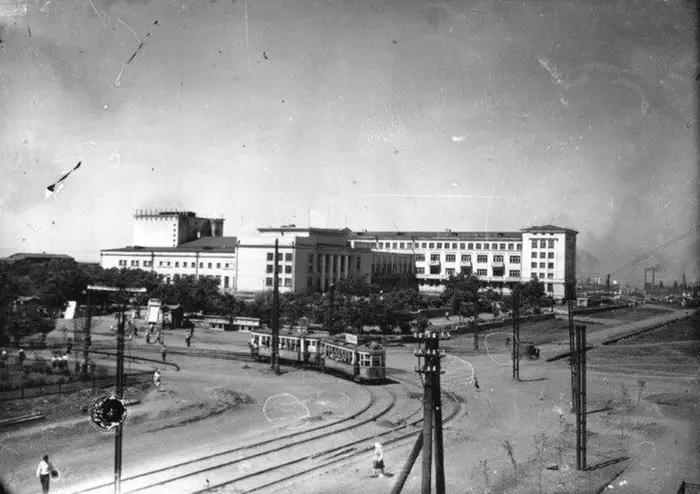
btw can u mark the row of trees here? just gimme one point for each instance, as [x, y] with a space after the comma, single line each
[351, 303]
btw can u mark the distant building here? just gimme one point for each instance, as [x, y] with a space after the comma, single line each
[167, 228]
[37, 258]
[498, 259]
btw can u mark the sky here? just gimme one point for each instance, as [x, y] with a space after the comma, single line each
[377, 115]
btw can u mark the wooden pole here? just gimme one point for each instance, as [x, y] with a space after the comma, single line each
[516, 337]
[572, 346]
[274, 355]
[427, 433]
[437, 411]
[120, 394]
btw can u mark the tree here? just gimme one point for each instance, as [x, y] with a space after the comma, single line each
[532, 292]
[355, 285]
[464, 288]
[675, 289]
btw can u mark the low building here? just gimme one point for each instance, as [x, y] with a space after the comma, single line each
[36, 258]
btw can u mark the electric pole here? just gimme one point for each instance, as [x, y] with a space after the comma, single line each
[86, 337]
[274, 355]
[119, 377]
[516, 335]
[571, 296]
[581, 435]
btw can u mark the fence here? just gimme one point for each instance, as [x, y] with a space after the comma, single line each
[69, 387]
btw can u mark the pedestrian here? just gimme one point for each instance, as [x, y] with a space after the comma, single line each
[54, 362]
[187, 340]
[156, 380]
[21, 357]
[163, 351]
[43, 472]
[476, 383]
[377, 460]
[148, 337]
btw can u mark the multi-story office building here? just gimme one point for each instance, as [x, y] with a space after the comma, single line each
[499, 259]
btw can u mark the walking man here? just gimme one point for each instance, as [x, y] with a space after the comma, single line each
[156, 380]
[43, 472]
[377, 460]
[188, 337]
[163, 351]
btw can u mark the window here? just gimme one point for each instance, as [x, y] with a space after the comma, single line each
[498, 271]
[288, 257]
[482, 258]
[478, 246]
[550, 244]
[287, 282]
[439, 245]
[435, 257]
[402, 245]
[280, 256]
[225, 281]
[218, 265]
[123, 262]
[177, 264]
[461, 246]
[550, 276]
[288, 269]
[534, 244]
[533, 265]
[534, 255]
[494, 246]
[542, 254]
[268, 281]
[541, 276]
[420, 270]
[486, 246]
[168, 263]
[393, 245]
[497, 258]
[519, 247]
[434, 269]
[380, 245]
[550, 255]
[135, 264]
[514, 259]
[450, 258]
[454, 246]
[208, 265]
[510, 246]
[481, 272]
[420, 257]
[270, 256]
[502, 247]
[470, 246]
[226, 266]
[514, 273]
[550, 287]
[450, 271]
[550, 265]
[431, 245]
[201, 265]
[466, 258]
[423, 245]
[543, 244]
[269, 268]
[541, 265]
[146, 264]
[466, 270]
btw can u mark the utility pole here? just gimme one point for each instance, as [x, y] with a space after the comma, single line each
[274, 355]
[86, 337]
[581, 435]
[432, 414]
[571, 296]
[516, 335]
[119, 377]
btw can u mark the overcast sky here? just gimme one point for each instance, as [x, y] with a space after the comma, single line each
[371, 114]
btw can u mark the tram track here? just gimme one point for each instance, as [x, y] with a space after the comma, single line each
[182, 477]
[283, 473]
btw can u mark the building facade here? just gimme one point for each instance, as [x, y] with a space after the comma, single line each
[498, 259]
[163, 228]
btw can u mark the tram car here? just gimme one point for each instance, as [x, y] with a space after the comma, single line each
[344, 353]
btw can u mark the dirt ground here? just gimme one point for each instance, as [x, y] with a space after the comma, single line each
[646, 433]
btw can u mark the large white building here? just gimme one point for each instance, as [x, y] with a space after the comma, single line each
[310, 259]
[499, 259]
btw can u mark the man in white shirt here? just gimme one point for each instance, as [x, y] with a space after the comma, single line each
[43, 471]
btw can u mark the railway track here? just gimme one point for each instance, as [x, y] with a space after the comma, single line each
[216, 469]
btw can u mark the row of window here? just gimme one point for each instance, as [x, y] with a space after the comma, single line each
[467, 258]
[227, 280]
[544, 244]
[287, 257]
[354, 263]
[285, 282]
[287, 269]
[550, 265]
[392, 268]
[513, 273]
[543, 255]
[168, 264]
[447, 245]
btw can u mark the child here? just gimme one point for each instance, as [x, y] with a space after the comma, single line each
[377, 460]
[156, 380]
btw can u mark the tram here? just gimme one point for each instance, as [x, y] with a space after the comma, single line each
[346, 354]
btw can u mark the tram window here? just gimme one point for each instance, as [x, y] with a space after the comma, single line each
[376, 361]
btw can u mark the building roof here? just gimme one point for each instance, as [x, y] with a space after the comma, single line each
[318, 231]
[224, 245]
[442, 235]
[548, 229]
[21, 256]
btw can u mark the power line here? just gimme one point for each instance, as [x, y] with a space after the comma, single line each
[657, 249]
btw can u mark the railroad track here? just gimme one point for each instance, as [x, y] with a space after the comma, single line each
[215, 470]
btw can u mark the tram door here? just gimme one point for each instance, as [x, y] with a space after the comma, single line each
[356, 363]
